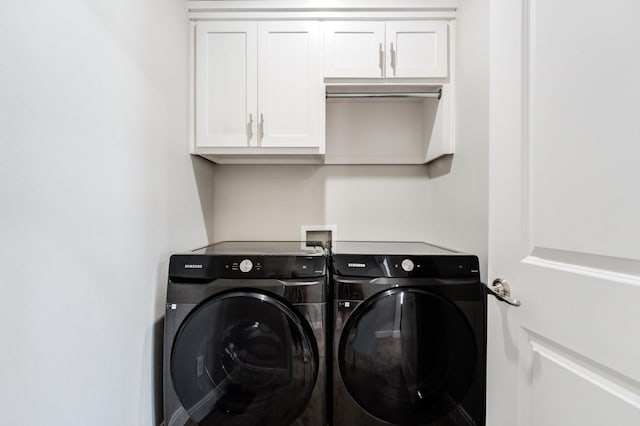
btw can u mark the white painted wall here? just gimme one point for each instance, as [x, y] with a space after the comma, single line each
[446, 203]
[366, 202]
[96, 190]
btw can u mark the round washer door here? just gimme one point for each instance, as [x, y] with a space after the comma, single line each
[407, 356]
[244, 358]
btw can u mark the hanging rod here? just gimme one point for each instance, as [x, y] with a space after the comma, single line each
[437, 94]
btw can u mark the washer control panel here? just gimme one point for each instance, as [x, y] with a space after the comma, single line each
[243, 265]
[407, 265]
[187, 268]
[246, 265]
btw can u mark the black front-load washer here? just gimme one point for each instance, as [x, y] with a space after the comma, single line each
[244, 337]
[409, 347]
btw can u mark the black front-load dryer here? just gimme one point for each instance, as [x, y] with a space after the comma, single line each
[409, 346]
[244, 337]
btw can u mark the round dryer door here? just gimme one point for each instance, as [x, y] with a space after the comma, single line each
[407, 356]
[244, 358]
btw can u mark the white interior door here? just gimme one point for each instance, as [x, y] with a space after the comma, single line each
[290, 97]
[565, 213]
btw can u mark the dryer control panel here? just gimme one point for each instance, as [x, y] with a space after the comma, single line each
[406, 266]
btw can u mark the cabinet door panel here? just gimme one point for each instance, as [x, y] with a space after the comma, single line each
[354, 49]
[226, 79]
[417, 49]
[290, 86]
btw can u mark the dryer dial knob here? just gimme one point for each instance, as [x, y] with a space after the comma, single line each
[407, 265]
[246, 265]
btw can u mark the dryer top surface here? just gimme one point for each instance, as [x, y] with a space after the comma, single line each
[390, 248]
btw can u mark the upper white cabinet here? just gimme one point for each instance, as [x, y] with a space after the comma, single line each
[261, 72]
[290, 89]
[354, 49]
[417, 49]
[258, 89]
[395, 49]
[226, 84]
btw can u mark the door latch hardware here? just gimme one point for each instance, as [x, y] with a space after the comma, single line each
[501, 290]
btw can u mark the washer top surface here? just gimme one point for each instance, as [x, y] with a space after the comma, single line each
[390, 248]
[261, 248]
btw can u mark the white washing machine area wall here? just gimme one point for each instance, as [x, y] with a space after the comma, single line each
[251, 340]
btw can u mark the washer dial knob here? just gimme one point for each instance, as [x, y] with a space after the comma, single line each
[246, 265]
[407, 265]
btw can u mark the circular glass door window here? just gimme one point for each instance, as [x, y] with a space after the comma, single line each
[244, 358]
[407, 356]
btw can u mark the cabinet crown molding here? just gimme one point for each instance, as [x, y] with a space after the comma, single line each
[322, 5]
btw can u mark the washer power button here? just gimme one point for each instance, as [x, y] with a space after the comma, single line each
[407, 265]
[246, 265]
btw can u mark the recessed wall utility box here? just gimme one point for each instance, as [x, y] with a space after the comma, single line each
[324, 235]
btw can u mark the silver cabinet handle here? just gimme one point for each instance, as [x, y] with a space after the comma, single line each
[501, 290]
[381, 60]
[250, 127]
[393, 59]
[261, 129]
